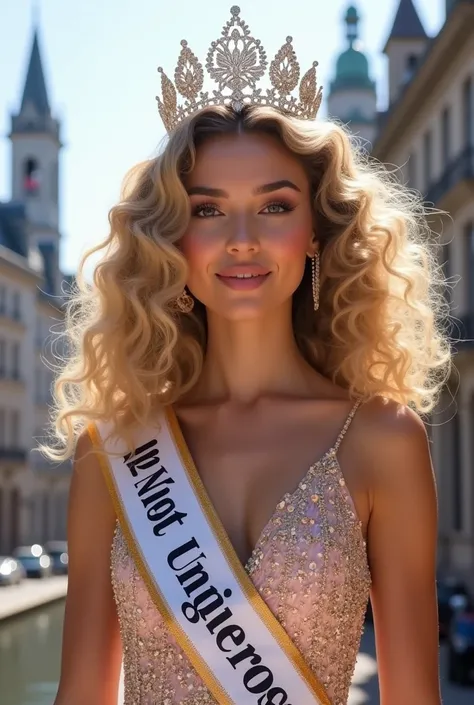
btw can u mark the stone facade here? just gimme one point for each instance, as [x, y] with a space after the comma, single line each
[33, 491]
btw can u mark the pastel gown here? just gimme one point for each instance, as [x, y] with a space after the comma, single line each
[310, 567]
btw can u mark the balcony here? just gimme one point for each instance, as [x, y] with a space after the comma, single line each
[15, 455]
[456, 183]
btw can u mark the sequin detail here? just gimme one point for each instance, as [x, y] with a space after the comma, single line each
[309, 565]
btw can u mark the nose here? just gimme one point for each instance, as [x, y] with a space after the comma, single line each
[243, 237]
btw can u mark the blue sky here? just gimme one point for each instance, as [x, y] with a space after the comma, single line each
[100, 59]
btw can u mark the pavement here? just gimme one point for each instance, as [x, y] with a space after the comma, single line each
[29, 594]
[365, 691]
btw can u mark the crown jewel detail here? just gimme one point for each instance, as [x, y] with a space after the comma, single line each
[236, 62]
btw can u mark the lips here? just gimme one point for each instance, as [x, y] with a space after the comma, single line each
[243, 271]
[243, 277]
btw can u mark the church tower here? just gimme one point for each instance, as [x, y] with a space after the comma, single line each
[352, 96]
[35, 148]
[405, 45]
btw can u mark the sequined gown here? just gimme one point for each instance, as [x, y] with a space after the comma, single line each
[309, 565]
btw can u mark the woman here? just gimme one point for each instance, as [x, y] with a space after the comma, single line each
[254, 355]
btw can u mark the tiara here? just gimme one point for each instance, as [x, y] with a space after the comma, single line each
[236, 62]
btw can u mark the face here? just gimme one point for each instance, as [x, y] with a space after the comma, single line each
[251, 226]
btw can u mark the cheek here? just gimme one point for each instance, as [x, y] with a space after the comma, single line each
[291, 248]
[197, 250]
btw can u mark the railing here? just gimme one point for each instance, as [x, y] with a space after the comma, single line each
[460, 168]
[13, 454]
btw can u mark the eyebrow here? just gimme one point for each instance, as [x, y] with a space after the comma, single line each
[265, 188]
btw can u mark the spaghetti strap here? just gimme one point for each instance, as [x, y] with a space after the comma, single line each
[345, 428]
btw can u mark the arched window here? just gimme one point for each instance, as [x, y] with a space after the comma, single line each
[410, 67]
[31, 177]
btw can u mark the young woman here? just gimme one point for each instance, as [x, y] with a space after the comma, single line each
[259, 342]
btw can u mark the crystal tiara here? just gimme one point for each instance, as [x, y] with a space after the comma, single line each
[236, 62]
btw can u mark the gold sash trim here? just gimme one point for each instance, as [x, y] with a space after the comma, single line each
[174, 628]
[254, 598]
[238, 569]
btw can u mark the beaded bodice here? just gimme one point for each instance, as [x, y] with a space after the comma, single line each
[309, 565]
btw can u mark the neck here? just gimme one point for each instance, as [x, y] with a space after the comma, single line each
[246, 360]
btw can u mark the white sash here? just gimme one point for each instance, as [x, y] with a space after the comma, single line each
[194, 576]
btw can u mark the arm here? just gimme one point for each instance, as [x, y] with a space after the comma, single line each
[402, 536]
[91, 654]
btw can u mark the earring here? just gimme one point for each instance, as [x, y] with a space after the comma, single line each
[185, 302]
[315, 279]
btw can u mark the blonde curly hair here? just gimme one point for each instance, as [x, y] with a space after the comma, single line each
[380, 328]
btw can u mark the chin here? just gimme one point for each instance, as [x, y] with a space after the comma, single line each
[242, 311]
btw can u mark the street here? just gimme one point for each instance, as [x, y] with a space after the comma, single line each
[364, 689]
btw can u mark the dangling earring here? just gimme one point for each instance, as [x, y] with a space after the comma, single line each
[315, 279]
[185, 302]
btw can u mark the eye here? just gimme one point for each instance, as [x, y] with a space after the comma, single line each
[277, 207]
[206, 210]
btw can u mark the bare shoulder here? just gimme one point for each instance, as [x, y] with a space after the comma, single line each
[392, 444]
[391, 422]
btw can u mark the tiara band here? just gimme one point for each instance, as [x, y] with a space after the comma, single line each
[236, 62]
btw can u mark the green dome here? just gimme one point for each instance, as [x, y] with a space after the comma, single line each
[352, 68]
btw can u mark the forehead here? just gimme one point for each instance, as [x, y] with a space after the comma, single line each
[252, 158]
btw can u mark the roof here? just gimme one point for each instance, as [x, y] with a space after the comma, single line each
[352, 71]
[352, 67]
[34, 92]
[436, 61]
[13, 228]
[407, 23]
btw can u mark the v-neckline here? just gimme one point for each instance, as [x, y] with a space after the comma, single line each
[198, 484]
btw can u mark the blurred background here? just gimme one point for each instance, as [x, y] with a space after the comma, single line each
[77, 110]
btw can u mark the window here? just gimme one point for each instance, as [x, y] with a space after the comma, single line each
[16, 306]
[427, 160]
[446, 136]
[2, 358]
[15, 429]
[469, 263]
[410, 67]
[468, 113]
[31, 177]
[3, 434]
[16, 361]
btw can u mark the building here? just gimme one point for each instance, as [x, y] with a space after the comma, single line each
[33, 491]
[352, 95]
[428, 132]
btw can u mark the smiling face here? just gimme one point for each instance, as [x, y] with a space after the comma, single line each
[251, 225]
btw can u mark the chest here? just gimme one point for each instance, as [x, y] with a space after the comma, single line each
[248, 466]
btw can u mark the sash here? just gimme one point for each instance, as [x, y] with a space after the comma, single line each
[194, 577]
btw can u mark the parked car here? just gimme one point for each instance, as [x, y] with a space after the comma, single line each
[57, 551]
[11, 571]
[461, 643]
[448, 588]
[34, 560]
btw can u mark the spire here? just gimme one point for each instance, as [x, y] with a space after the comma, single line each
[352, 67]
[407, 23]
[352, 21]
[35, 92]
